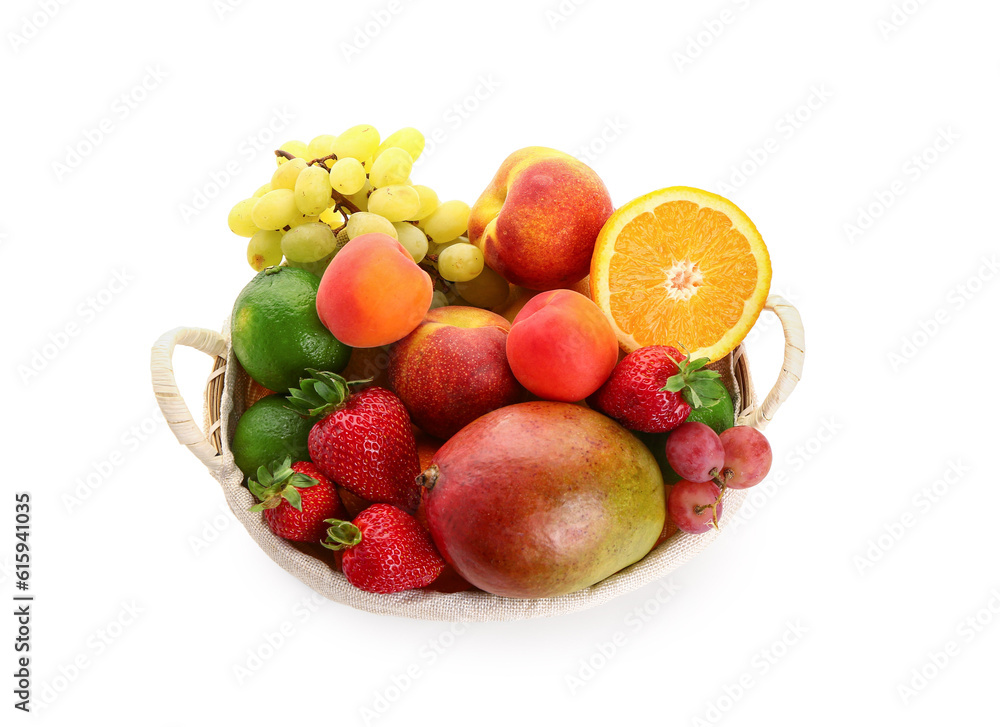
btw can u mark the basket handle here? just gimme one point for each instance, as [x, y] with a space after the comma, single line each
[791, 370]
[175, 411]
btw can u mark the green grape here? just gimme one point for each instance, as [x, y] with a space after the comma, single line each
[361, 223]
[413, 239]
[284, 176]
[358, 142]
[460, 262]
[438, 300]
[348, 176]
[391, 167]
[312, 190]
[275, 210]
[241, 218]
[436, 248]
[486, 290]
[428, 201]
[264, 249]
[317, 268]
[301, 219]
[408, 139]
[332, 217]
[360, 199]
[321, 146]
[296, 149]
[308, 243]
[396, 203]
[447, 222]
[263, 189]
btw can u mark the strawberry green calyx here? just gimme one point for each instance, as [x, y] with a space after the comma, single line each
[341, 534]
[700, 387]
[321, 394]
[277, 484]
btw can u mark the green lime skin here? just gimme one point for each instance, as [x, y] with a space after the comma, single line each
[720, 416]
[277, 333]
[269, 431]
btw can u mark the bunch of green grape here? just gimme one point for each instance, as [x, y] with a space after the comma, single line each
[327, 192]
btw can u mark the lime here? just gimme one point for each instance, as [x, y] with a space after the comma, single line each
[277, 333]
[270, 431]
[720, 416]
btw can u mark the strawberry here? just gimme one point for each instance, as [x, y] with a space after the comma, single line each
[364, 441]
[653, 389]
[385, 550]
[296, 500]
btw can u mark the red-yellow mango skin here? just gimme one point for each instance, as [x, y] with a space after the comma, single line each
[453, 369]
[539, 218]
[542, 498]
[373, 294]
[561, 346]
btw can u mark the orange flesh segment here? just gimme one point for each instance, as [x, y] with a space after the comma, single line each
[680, 273]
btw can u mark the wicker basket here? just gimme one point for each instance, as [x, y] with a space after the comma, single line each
[225, 401]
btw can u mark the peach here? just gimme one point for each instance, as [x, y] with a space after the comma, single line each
[561, 346]
[538, 220]
[373, 294]
[453, 368]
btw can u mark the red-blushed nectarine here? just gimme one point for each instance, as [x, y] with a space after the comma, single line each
[373, 294]
[561, 346]
[453, 368]
[538, 220]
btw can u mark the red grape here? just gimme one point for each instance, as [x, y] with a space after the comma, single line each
[695, 507]
[748, 457]
[695, 452]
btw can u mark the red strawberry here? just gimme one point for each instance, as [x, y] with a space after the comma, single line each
[385, 550]
[653, 389]
[296, 499]
[364, 442]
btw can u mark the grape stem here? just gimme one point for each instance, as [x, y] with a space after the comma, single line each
[720, 478]
[429, 265]
[699, 509]
[342, 202]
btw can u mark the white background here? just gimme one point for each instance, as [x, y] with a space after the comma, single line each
[651, 94]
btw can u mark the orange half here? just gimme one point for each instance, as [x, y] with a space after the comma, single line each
[681, 267]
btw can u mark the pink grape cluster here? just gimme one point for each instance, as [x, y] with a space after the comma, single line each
[708, 463]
